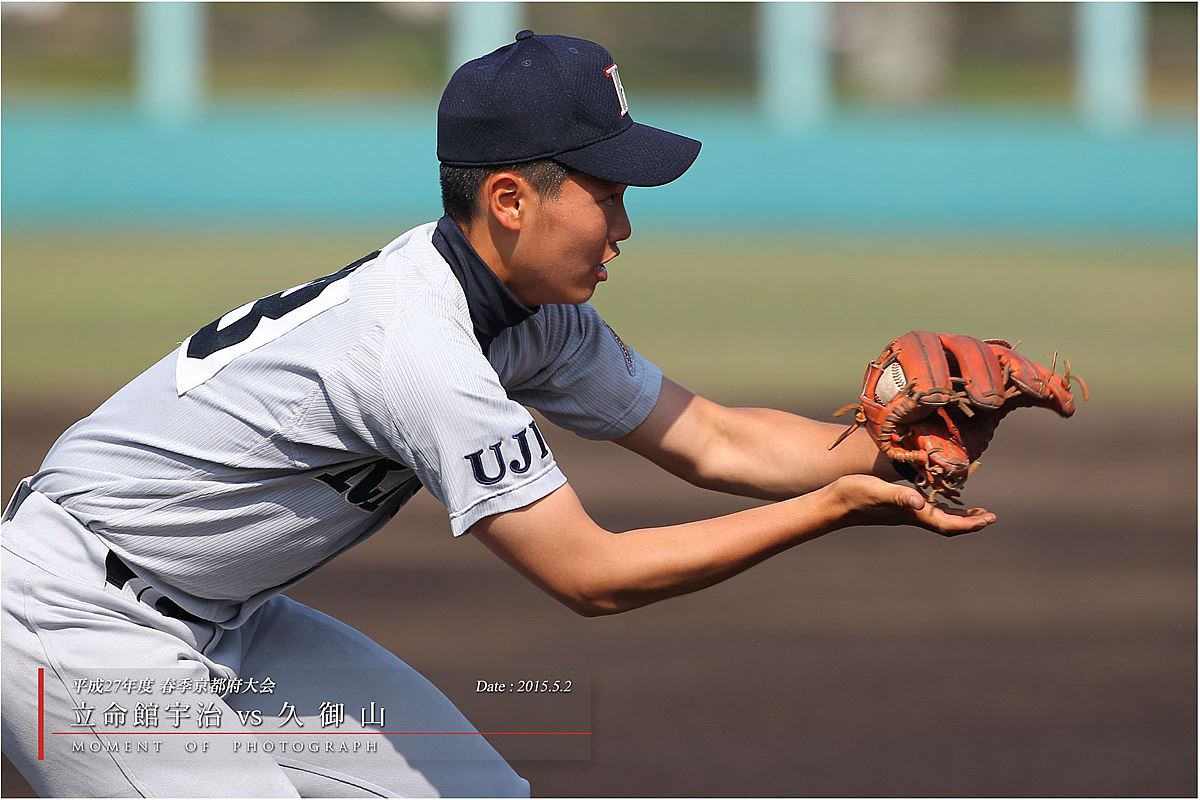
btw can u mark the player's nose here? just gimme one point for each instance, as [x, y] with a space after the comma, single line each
[620, 228]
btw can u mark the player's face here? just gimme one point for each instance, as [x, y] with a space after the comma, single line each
[567, 240]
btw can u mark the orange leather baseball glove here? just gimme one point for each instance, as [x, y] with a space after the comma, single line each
[932, 401]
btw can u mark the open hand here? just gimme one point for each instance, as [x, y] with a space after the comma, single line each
[867, 500]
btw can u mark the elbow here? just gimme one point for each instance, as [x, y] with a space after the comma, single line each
[596, 608]
[593, 599]
[588, 609]
[589, 604]
[594, 580]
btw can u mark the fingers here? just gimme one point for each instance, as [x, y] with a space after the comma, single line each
[963, 512]
[909, 498]
[875, 492]
[954, 521]
[871, 501]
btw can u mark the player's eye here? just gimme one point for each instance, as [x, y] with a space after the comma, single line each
[611, 200]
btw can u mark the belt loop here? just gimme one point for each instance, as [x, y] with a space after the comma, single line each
[19, 496]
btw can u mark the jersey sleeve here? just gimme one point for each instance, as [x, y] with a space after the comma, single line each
[571, 366]
[447, 415]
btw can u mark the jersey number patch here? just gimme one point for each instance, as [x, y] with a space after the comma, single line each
[210, 349]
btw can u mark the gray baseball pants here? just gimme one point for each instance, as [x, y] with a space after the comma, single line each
[66, 625]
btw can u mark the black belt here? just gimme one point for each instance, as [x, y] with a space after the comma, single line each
[118, 573]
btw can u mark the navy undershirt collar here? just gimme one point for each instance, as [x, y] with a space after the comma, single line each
[493, 307]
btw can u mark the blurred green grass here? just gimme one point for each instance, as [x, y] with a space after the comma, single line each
[736, 318]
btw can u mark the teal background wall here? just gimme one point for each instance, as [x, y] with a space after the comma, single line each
[103, 164]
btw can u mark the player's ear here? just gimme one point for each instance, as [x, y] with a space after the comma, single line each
[504, 198]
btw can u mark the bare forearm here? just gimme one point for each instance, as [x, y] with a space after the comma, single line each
[644, 566]
[772, 455]
[560, 548]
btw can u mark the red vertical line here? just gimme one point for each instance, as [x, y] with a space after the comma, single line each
[41, 714]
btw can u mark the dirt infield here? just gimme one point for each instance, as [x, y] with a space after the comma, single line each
[1054, 654]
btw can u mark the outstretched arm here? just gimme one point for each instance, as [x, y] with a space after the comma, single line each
[555, 544]
[754, 452]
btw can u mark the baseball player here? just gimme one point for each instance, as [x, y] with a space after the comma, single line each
[160, 533]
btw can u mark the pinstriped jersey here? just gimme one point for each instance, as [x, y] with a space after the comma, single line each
[295, 426]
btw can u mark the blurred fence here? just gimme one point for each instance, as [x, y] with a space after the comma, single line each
[961, 117]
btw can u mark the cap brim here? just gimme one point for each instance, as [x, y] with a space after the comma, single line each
[640, 155]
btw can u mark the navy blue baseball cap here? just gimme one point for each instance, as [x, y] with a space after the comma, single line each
[557, 98]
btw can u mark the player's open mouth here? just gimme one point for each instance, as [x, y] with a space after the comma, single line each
[602, 269]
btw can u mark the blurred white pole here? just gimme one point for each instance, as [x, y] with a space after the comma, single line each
[477, 29]
[793, 66]
[1110, 63]
[170, 61]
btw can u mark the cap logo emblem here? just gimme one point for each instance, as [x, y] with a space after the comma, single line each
[611, 71]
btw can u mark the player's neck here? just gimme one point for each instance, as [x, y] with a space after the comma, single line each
[483, 239]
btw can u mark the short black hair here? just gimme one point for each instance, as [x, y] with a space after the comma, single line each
[461, 185]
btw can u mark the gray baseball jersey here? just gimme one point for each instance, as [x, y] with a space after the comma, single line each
[295, 426]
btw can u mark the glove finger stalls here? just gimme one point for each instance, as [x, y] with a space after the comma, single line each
[980, 368]
[932, 403]
[923, 367]
[908, 380]
[1043, 387]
